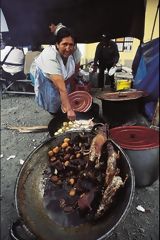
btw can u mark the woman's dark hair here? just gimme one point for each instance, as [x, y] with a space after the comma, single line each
[63, 33]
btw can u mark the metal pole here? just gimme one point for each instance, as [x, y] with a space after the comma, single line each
[154, 22]
[155, 120]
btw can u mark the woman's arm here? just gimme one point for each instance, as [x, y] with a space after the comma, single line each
[60, 85]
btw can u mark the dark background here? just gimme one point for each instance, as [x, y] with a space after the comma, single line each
[28, 20]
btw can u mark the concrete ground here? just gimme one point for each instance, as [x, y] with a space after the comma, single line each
[23, 111]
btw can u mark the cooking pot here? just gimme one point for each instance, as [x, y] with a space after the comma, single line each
[32, 213]
[141, 144]
[119, 108]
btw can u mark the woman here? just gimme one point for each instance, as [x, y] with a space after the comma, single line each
[55, 67]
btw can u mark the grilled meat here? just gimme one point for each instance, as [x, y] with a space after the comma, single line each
[111, 169]
[97, 144]
[108, 195]
[112, 181]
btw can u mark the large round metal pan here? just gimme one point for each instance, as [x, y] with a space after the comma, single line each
[29, 199]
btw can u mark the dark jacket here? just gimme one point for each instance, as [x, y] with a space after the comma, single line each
[106, 54]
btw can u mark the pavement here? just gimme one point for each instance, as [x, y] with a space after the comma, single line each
[16, 146]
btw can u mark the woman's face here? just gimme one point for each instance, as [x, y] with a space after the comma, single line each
[66, 47]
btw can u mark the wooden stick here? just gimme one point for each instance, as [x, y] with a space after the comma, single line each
[28, 129]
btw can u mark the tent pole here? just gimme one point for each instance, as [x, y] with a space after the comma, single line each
[155, 119]
[154, 21]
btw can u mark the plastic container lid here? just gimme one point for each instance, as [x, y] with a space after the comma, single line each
[135, 137]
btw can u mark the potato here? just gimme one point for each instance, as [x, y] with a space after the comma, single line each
[78, 155]
[71, 181]
[55, 149]
[70, 123]
[50, 153]
[72, 192]
[64, 145]
[65, 124]
[56, 133]
[66, 163]
[60, 130]
[66, 140]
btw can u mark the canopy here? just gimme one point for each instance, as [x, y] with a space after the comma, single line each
[28, 20]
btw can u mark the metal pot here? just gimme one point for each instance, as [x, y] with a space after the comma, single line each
[141, 144]
[29, 200]
[119, 108]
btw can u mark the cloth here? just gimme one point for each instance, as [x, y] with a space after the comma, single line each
[50, 62]
[32, 72]
[46, 94]
[51, 36]
[58, 27]
[11, 78]
[49, 51]
[14, 62]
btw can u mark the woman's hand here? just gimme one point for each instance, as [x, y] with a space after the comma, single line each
[71, 115]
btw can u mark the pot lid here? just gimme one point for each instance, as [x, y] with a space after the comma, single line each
[122, 96]
[80, 101]
[135, 137]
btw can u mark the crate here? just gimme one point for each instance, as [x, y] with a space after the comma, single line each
[123, 84]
